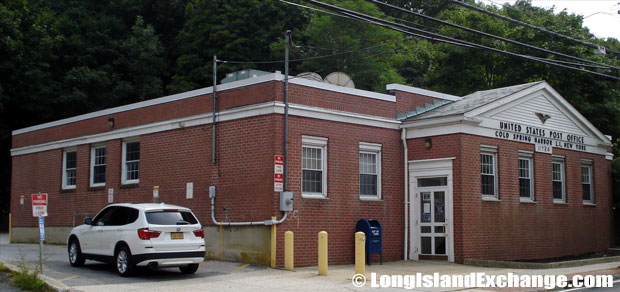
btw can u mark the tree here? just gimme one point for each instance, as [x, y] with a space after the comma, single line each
[240, 30]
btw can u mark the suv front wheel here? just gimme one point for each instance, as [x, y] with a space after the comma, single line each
[124, 264]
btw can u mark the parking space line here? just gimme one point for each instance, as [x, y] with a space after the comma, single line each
[96, 281]
[240, 268]
[68, 278]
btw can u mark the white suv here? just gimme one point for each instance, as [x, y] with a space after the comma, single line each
[130, 235]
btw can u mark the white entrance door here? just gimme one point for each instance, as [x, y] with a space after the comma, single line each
[431, 229]
[432, 221]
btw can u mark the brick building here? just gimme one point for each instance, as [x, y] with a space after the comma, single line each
[511, 173]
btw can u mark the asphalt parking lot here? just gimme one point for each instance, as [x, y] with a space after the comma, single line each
[56, 266]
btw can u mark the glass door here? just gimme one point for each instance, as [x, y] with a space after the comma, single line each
[432, 224]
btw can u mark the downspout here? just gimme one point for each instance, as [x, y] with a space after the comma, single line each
[213, 157]
[406, 247]
[288, 44]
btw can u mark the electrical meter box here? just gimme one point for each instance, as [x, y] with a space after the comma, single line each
[286, 201]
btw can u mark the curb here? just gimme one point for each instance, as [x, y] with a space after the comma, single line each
[541, 266]
[53, 283]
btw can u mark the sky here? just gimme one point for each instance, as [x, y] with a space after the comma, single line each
[601, 16]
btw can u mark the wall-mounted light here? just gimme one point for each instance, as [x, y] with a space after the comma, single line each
[428, 142]
[111, 122]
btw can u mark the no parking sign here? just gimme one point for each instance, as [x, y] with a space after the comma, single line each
[39, 205]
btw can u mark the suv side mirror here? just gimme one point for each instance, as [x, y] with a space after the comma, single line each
[88, 221]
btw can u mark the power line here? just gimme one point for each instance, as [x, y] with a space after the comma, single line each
[514, 21]
[315, 57]
[440, 38]
[488, 34]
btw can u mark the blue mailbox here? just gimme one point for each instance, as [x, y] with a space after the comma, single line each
[374, 237]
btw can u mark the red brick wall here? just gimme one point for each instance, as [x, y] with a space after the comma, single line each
[408, 100]
[510, 229]
[339, 213]
[241, 96]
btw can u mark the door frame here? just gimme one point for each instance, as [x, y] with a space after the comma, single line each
[441, 167]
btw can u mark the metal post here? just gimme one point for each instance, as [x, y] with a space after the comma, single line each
[286, 61]
[213, 157]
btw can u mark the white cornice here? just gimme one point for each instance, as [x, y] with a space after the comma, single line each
[225, 115]
[277, 76]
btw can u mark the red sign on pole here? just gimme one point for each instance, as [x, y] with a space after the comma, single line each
[278, 173]
[39, 205]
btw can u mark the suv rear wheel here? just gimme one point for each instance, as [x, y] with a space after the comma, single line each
[76, 259]
[189, 269]
[124, 264]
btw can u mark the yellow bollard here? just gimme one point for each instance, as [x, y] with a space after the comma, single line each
[360, 253]
[289, 257]
[323, 253]
[273, 243]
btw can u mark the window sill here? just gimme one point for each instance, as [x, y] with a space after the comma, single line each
[490, 199]
[370, 199]
[527, 201]
[68, 188]
[129, 185]
[313, 197]
[589, 204]
[560, 202]
[67, 191]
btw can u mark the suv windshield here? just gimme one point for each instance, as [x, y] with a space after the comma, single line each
[170, 218]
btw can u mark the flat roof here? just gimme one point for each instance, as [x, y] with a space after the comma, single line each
[276, 76]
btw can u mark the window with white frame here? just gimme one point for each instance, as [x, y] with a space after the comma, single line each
[69, 167]
[526, 178]
[488, 171]
[97, 166]
[557, 176]
[370, 170]
[131, 162]
[586, 181]
[314, 167]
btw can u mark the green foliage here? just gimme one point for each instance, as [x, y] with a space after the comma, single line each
[240, 30]
[28, 281]
[3, 268]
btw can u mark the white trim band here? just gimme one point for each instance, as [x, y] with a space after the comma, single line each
[277, 76]
[222, 116]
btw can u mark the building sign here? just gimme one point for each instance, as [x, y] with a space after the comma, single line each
[544, 139]
[39, 205]
[278, 173]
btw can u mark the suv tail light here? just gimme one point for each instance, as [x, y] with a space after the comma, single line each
[146, 234]
[199, 233]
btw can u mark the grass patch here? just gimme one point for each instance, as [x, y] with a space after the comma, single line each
[3, 268]
[28, 281]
